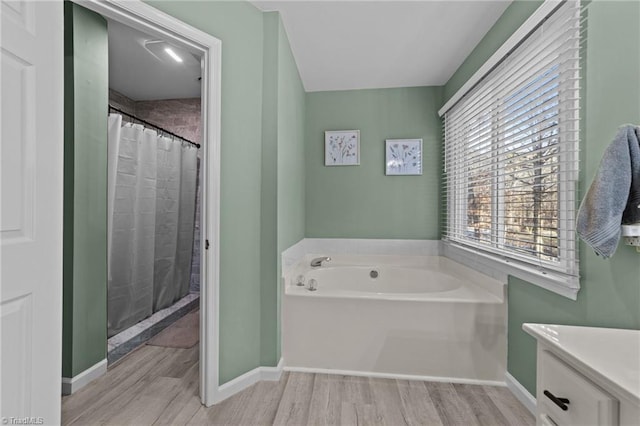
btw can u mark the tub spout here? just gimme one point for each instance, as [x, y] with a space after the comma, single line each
[317, 262]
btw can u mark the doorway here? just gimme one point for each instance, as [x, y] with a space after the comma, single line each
[141, 17]
[154, 197]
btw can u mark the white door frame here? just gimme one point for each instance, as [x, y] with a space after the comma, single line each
[143, 17]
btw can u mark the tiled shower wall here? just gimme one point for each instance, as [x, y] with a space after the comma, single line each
[182, 117]
[121, 102]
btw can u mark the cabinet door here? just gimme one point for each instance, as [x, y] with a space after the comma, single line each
[566, 397]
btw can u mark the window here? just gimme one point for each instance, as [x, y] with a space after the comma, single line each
[511, 153]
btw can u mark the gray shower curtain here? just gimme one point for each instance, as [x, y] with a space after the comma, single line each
[152, 184]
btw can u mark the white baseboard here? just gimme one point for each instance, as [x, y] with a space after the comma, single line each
[249, 378]
[521, 393]
[272, 374]
[238, 384]
[395, 376]
[74, 384]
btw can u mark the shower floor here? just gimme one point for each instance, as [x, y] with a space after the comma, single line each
[136, 335]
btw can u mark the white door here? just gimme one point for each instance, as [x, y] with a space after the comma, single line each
[31, 149]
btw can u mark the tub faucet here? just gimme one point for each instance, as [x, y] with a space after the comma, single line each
[317, 262]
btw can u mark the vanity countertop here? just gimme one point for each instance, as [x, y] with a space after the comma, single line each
[610, 355]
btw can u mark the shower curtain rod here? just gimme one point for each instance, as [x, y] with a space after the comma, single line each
[146, 123]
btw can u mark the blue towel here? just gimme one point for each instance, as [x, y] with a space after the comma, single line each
[613, 198]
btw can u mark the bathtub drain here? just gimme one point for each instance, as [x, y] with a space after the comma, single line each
[373, 274]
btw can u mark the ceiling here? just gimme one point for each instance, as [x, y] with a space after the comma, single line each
[337, 45]
[136, 72]
[340, 45]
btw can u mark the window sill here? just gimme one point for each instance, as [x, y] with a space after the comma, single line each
[500, 268]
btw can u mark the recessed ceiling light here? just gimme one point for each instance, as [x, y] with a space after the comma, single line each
[167, 53]
[173, 54]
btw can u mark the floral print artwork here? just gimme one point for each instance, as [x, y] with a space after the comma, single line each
[404, 157]
[342, 148]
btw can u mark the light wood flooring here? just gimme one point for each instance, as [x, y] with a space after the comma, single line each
[158, 385]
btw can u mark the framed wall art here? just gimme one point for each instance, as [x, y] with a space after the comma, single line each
[342, 148]
[403, 157]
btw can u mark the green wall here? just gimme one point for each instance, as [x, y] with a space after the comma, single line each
[85, 191]
[283, 177]
[511, 19]
[610, 293]
[291, 163]
[269, 196]
[262, 122]
[360, 201]
[240, 27]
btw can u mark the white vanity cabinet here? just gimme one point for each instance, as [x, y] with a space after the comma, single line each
[587, 375]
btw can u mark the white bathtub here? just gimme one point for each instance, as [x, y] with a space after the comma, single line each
[423, 317]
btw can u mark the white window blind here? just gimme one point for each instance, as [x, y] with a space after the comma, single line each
[511, 151]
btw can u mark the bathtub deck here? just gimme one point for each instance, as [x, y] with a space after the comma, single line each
[156, 385]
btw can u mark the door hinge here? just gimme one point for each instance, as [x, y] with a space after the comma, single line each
[206, 244]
